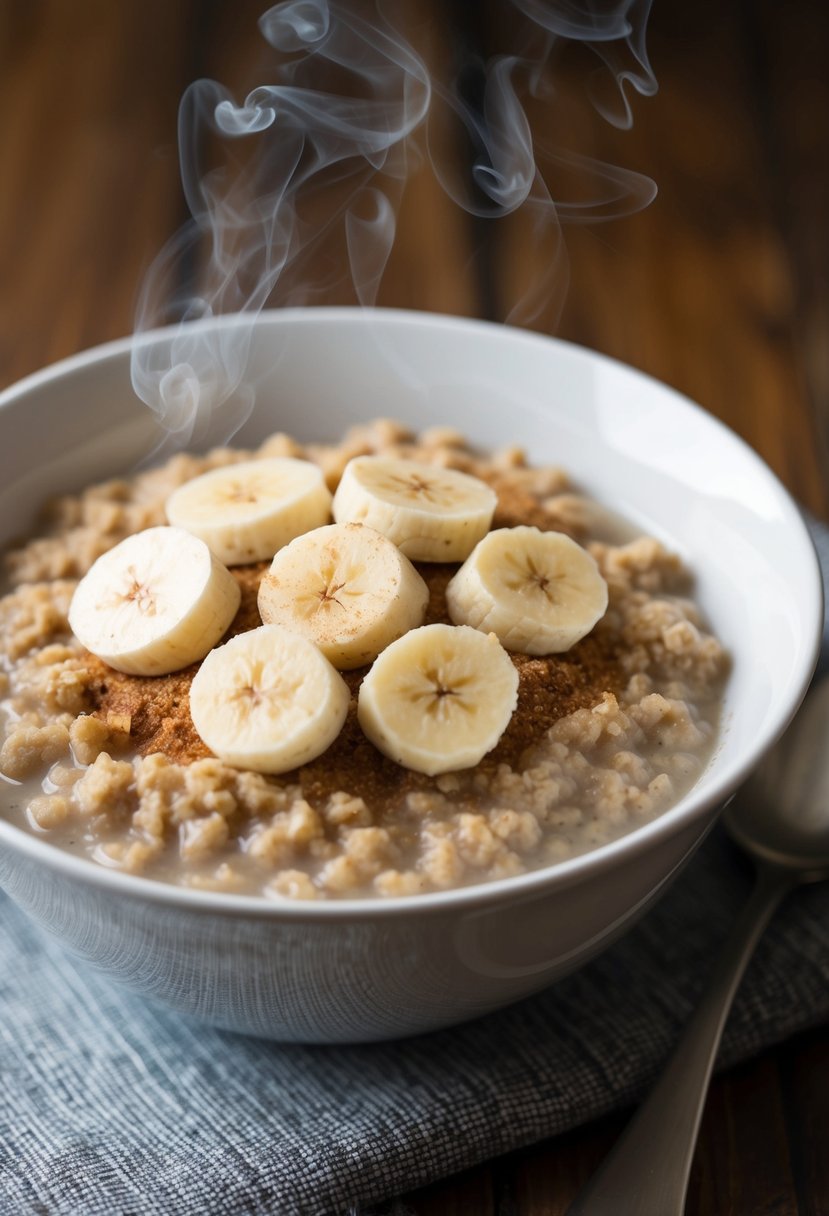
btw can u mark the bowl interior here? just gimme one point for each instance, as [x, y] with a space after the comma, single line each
[631, 442]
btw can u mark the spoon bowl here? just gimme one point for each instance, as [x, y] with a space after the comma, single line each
[781, 815]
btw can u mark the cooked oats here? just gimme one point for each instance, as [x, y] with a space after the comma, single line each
[605, 737]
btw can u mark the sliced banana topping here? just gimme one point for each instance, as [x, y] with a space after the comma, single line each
[431, 514]
[245, 512]
[539, 592]
[439, 698]
[268, 700]
[155, 603]
[346, 588]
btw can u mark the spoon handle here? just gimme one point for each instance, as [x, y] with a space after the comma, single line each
[646, 1173]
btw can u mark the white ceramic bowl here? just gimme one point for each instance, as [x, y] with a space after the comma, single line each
[360, 969]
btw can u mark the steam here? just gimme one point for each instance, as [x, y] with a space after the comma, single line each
[615, 33]
[295, 174]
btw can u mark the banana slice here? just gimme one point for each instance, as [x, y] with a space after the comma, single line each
[431, 514]
[245, 512]
[539, 592]
[268, 700]
[155, 603]
[346, 588]
[439, 698]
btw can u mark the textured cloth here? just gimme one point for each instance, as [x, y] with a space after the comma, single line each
[111, 1107]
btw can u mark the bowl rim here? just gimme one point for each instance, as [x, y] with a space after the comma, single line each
[692, 806]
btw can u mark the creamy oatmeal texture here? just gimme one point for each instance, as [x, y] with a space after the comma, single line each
[605, 736]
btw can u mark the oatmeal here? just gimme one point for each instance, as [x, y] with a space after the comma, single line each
[605, 735]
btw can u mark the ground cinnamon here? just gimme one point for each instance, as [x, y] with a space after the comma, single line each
[549, 688]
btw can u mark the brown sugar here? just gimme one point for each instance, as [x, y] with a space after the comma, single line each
[549, 688]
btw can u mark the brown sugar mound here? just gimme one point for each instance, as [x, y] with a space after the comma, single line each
[550, 687]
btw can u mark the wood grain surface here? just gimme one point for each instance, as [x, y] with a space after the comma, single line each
[720, 288]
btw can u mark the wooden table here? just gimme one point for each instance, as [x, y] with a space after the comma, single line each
[720, 288]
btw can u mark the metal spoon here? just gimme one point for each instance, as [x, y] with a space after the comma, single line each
[780, 817]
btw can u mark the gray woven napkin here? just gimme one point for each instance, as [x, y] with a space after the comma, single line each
[112, 1107]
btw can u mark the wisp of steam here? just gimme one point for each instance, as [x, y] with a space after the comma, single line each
[275, 180]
